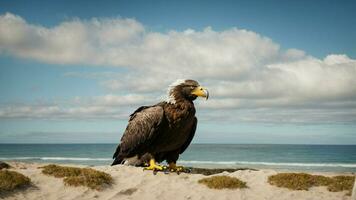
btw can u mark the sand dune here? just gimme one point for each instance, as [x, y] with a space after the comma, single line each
[134, 183]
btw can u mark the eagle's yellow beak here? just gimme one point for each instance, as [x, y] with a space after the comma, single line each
[201, 92]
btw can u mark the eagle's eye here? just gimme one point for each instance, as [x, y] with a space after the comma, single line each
[192, 87]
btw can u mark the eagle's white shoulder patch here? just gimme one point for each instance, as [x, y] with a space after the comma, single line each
[170, 97]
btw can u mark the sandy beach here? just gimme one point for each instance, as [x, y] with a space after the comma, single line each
[134, 183]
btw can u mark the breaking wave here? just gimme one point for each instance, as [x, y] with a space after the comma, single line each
[57, 158]
[348, 165]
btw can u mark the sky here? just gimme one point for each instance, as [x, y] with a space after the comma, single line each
[277, 71]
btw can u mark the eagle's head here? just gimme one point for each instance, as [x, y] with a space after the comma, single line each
[185, 89]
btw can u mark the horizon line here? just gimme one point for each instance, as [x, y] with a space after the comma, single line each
[191, 144]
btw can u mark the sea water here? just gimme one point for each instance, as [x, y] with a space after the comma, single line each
[333, 158]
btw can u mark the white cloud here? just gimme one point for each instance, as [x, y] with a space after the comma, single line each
[125, 43]
[242, 69]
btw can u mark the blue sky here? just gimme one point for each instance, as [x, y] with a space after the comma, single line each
[278, 71]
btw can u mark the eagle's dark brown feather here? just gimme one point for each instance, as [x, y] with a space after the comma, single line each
[191, 136]
[162, 131]
[142, 128]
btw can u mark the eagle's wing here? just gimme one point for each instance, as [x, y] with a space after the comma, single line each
[191, 136]
[141, 130]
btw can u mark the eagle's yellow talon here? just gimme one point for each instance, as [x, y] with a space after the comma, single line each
[153, 166]
[174, 168]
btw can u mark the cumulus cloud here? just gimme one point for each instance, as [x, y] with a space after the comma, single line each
[242, 69]
[125, 43]
[74, 41]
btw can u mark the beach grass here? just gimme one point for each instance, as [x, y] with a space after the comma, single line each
[11, 180]
[75, 176]
[341, 183]
[304, 181]
[222, 182]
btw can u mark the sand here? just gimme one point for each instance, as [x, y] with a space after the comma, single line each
[134, 183]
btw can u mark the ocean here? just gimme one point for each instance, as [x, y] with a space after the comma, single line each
[326, 158]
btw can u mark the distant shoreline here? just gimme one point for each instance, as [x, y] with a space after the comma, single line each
[192, 144]
[211, 166]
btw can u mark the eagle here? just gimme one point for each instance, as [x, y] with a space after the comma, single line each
[163, 131]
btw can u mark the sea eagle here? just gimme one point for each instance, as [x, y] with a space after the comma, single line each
[162, 131]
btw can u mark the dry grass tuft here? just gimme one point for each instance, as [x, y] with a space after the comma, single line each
[4, 165]
[341, 183]
[74, 176]
[60, 172]
[303, 181]
[298, 181]
[10, 180]
[222, 182]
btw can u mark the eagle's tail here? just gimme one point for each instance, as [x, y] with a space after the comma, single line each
[118, 160]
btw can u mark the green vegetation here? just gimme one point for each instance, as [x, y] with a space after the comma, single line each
[222, 182]
[74, 176]
[10, 180]
[303, 181]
